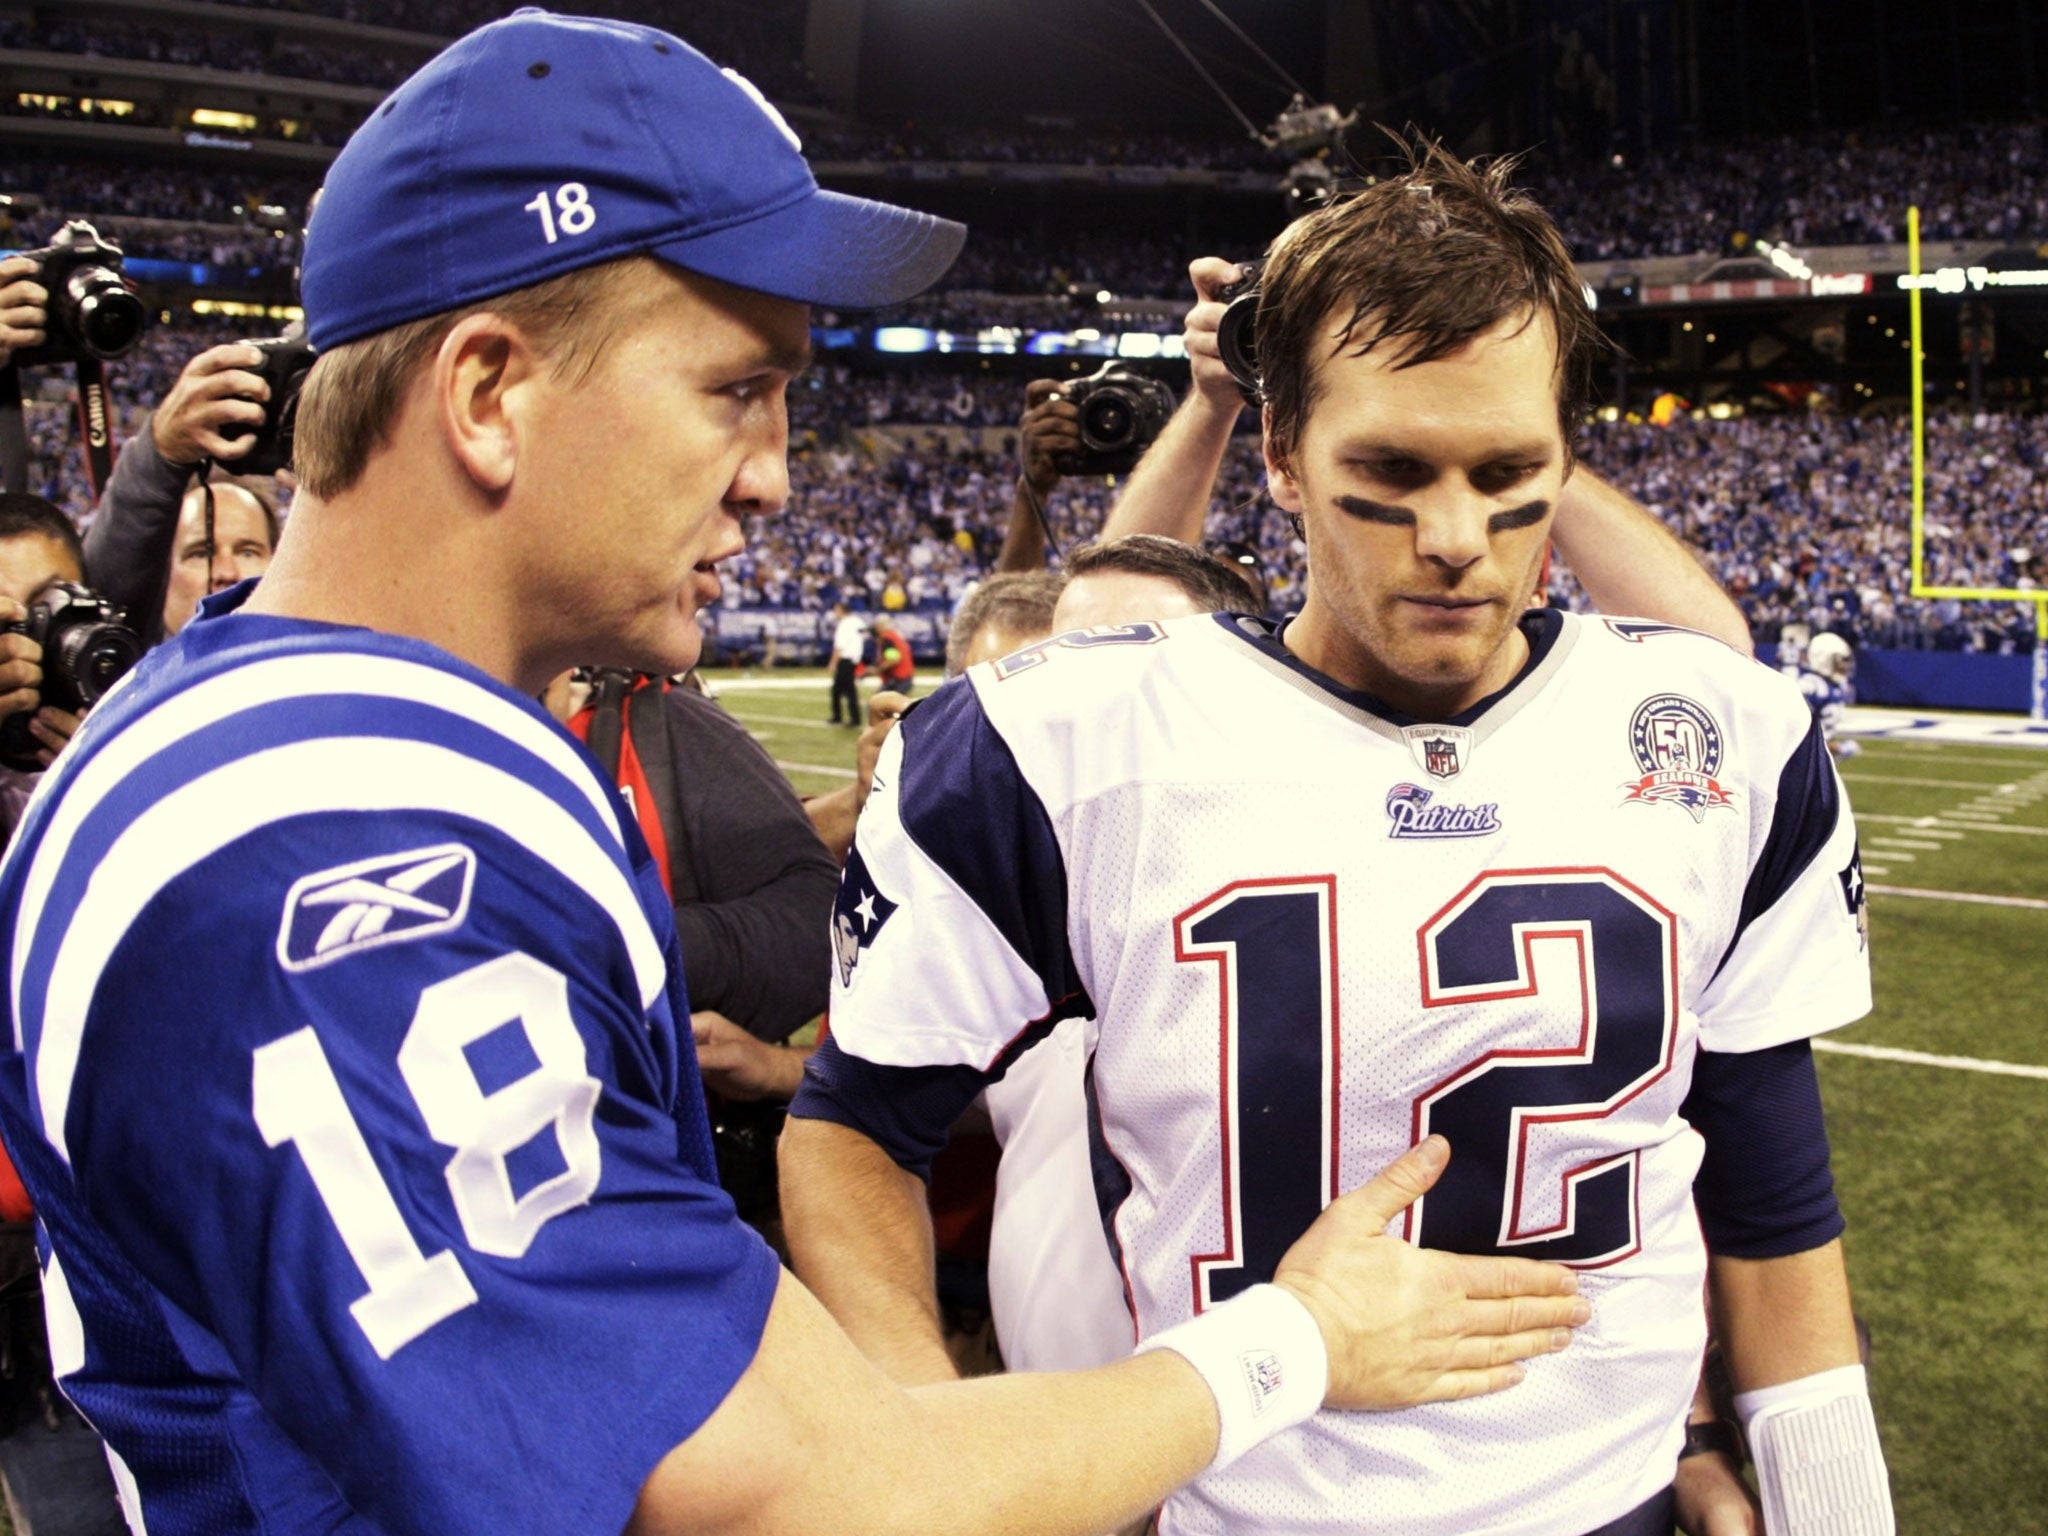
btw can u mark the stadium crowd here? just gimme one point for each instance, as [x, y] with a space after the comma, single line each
[897, 502]
[1801, 517]
[242, 53]
[1820, 189]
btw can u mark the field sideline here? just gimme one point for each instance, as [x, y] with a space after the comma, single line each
[1937, 1102]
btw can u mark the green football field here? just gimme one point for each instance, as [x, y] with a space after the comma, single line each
[1937, 1103]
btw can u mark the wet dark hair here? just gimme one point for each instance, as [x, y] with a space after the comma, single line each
[1422, 262]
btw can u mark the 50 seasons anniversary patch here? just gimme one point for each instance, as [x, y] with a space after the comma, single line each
[1677, 744]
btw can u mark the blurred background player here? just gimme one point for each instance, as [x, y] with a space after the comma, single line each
[1825, 680]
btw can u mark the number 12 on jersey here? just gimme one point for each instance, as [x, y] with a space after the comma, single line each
[1274, 943]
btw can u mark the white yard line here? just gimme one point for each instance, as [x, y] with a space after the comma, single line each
[1977, 898]
[1880, 778]
[1924, 1059]
[777, 721]
[1880, 750]
[822, 681]
[1889, 843]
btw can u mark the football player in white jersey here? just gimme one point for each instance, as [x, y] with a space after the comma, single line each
[1573, 892]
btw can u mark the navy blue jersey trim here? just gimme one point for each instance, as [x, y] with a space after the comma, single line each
[1804, 817]
[909, 1111]
[1112, 1182]
[1764, 1188]
[1540, 626]
[966, 805]
[906, 1111]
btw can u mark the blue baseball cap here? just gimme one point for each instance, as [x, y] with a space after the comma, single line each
[542, 144]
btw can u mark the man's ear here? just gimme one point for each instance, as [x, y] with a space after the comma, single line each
[482, 381]
[1280, 482]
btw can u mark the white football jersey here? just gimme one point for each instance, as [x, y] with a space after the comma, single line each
[1312, 931]
[1053, 1287]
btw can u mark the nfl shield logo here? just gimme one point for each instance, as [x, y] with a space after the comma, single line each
[1441, 750]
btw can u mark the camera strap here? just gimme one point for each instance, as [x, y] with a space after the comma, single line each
[95, 422]
[203, 470]
[13, 432]
[95, 427]
[1037, 505]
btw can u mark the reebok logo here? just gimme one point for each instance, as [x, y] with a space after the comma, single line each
[340, 912]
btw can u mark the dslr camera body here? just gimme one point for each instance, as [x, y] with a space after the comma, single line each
[286, 362]
[87, 648]
[1122, 413]
[1237, 339]
[93, 313]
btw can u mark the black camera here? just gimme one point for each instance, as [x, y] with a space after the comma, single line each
[1122, 412]
[286, 362]
[1237, 332]
[93, 313]
[87, 648]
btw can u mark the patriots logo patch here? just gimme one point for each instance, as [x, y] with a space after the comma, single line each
[344, 911]
[857, 916]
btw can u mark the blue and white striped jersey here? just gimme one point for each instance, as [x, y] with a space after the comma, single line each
[344, 1069]
[1309, 931]
[1827, 697]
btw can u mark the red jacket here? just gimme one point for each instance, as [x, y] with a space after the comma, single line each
[892, 657]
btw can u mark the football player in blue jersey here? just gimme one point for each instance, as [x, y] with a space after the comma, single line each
[1575, 892]
[346, 1061]
[1829, 664]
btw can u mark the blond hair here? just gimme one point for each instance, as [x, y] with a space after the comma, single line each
[353, 395]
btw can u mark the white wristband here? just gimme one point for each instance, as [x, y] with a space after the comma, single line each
[1819, 1467]
[1264, 1360]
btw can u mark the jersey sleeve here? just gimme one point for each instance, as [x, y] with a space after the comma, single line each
[1798, 963]
[388, 1106]
[950, 948]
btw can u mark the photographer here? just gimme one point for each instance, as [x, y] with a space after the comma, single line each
[140, 531]
[52, 1463]
[244, 538]
[38, 547]
[1179, 470]
[1051, 427]
[752, 890]
[24, 307]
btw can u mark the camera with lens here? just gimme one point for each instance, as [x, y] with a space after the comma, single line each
[93, 313]
[1122, 412]
[87, 648]
[1237, 332]
[286, 362]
